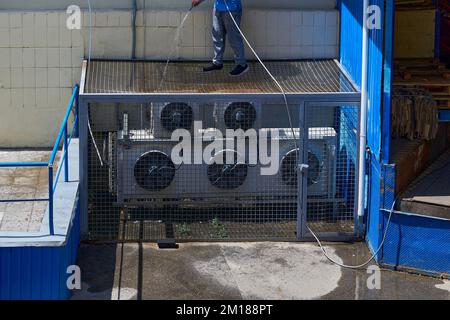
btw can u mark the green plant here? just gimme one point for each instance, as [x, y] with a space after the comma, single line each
[185, 231]
[219, 229]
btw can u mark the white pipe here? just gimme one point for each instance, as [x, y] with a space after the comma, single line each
[363, 119]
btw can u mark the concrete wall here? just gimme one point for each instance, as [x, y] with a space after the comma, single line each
[40, 58]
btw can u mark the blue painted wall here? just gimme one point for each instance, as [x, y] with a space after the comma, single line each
[417, 243]
[414, 243]
[350, 58]
[38, 272]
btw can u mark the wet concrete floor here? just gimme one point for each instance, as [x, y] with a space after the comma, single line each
[241, 271]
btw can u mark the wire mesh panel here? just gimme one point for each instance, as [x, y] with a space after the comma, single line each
[331, 151]
[305, 76]
[221, 170]
[213, 166]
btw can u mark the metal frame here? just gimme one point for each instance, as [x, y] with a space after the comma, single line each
[142, 98]
[66, 138]
[302, 208]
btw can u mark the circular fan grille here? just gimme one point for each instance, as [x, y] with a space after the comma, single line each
[240, 115]
[154, 171]
[177, 116]
[289, 168]
[227, 176]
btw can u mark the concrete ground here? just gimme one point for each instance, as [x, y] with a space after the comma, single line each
[240, 271]
[23, 183]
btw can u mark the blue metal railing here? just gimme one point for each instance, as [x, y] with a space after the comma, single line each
[66, 137]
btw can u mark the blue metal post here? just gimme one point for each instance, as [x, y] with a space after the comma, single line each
[50, 200]
[66, 156]
[388, 76]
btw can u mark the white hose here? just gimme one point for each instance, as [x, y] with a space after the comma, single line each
[371, 258]
[283, 92]
[292, 128]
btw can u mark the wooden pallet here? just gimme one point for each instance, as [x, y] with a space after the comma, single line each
[414, 4]
[429, 74]
[408, 69]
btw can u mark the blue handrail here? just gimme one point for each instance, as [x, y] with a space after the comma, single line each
[62, 134]
[23, 164]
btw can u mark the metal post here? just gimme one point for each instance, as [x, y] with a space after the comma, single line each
[363, 120]
[66, 155]
[50, 200]
[83, 112]
[77, 105]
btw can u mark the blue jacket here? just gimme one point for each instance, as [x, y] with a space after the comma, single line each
[234, 5]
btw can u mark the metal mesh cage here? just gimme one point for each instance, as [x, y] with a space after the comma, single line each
[204, 157]
[204, 184]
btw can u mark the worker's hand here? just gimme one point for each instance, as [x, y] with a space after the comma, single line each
[195, 3]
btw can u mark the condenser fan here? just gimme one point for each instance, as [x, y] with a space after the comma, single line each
[225, 175]
[240, 115]
[289, 168]
[177, 116]
[154, 171]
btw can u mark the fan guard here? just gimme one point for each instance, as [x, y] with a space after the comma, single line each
[227, 176]
[177, 115]
[289, 168]
[240, 115]
[154, 171]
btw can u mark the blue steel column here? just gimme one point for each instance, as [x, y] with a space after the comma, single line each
[387, 94]
[83, 140]
[66, 155]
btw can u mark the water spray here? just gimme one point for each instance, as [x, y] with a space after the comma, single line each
[175, 40]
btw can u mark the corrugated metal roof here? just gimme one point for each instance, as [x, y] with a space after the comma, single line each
[306, 76]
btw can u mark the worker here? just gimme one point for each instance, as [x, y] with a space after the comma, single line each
[223, 25]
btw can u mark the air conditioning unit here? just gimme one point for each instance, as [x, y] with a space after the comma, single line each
[322, 145]
[146, 171]
[321, 158]
[169, 116]
[237, 115]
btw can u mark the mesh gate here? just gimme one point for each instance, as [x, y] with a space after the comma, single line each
[230, 174]
[331, 151]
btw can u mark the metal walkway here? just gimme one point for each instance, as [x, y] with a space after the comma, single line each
[307, 76]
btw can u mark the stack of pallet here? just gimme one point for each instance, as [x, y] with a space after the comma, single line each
[428, 74]
[414, 4]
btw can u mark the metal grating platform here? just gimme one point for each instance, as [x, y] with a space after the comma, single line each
[296, 77]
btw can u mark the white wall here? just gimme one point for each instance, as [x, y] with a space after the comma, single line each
[40, 59]
[162, 4]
